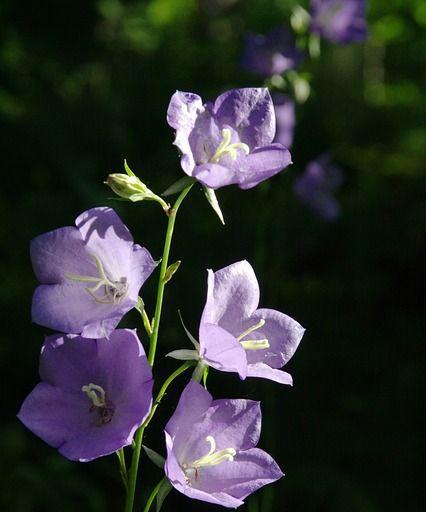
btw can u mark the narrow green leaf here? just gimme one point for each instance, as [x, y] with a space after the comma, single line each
[212, 199]
[171, 269]
[163, 492]
[155, 457]
[178, 186]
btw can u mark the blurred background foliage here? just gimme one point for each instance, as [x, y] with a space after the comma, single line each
[85, 84]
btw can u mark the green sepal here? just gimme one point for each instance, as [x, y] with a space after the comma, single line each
[155, 457]
[178, 186]
[205, 375]
[171, 270]
[214, 203]
[128, 170]
[163, 492]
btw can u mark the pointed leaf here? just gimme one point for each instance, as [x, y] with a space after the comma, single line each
[171, 269]
[214, 203]
[178, 186]
[192, 339]
[184, 355]
[163, 492]
[128, 170]
[155, 457]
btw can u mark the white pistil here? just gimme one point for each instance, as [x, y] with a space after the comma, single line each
[114, 290]
[225, 147]
[253, 344]
[212, 458]
[96, 394]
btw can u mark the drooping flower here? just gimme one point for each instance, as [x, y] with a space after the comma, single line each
[317, 185]
[90, 274]
[339, 21]
[211, 448]
[93, 394]
[236, 336]
[229, 141]
[271, 54]
[285, 119]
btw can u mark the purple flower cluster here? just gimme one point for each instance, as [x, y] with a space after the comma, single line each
[339, 21]
[96, 382]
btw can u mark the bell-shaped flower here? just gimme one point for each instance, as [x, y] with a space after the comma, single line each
[339, 21]
[91, 274]
[93, 394]
[271, 54]
[317, 186]
[229, 141]
[236, 336]
[211, 448]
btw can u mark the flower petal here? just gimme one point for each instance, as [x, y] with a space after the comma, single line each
[141, 267]
[215, 175]
[266, 372]
[221, 350]
[261, 164]
[232, 295]
[250, 112]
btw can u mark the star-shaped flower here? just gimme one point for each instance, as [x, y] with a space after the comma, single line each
[211, 448]
[91, 274]
[93, 396]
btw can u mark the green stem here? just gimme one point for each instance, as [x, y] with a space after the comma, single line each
[131, 488]
[164, 264]
[152, 496]
[123, 469]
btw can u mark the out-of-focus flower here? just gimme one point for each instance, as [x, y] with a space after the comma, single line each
[236, 336]
[339, 21]
[285, 119]
[271, 54]
[211, 449]
[317, 185]
[93, 396]
[228, 141]
[90, 274]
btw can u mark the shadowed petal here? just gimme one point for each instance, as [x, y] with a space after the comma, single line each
[266, 372]
[141, 267]
[262, 164]
[221, 350]
[250, 112]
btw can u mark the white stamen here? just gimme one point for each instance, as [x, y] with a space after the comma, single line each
[225, 147]
[260, 324]
[115, 291]
[212, 458]
[255, 344]
[96, 394]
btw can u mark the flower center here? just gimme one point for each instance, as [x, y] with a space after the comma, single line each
[253, 344]
[212, 458]
[228, 148]
[104, 290]
[100, 403]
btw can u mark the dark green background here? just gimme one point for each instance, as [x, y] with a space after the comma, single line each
[85, 84]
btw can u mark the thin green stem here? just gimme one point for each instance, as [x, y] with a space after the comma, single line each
[123, 469]
[132, 477]
[164, 264]
[152, 496]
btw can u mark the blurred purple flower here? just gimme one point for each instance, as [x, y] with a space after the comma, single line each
[271, 54]
[317, 185]
[211, 448]
[94, 394]
[235, 336]
[285, 119]
[228, 141]
[339, 21]
[90, 274]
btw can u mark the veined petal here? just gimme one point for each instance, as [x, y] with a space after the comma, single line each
[261, 164]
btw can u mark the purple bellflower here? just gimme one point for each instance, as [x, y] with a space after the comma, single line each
[236, 336]
[93, 396]
[211, 448]
[316, 187]
[228, 141]
[339, 21]
[285, 119]
[271, 54]
[90, 274]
